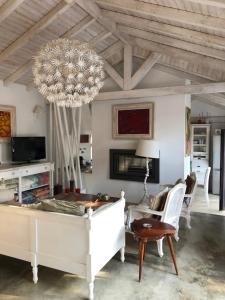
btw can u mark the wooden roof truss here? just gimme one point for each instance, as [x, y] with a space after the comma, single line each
[185, 38]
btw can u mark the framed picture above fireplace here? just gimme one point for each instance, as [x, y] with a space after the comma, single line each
[133, 121]
[125, 165]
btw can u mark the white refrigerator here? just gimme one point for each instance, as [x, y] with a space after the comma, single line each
[216, 165]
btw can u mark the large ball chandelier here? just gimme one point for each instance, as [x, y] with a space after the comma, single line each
[68, 72]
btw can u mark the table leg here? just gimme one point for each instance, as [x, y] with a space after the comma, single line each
[145, 244]
[170, 242]
[141, 257]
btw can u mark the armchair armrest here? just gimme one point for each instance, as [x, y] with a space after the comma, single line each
[188, 199]
[169, 185]
[140, 209]
[188, 195]
[144, 209]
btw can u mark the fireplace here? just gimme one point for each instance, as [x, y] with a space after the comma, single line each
[125, 165]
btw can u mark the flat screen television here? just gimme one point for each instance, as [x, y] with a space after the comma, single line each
[27, 149]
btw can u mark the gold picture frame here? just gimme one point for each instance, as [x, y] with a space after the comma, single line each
[7, 123]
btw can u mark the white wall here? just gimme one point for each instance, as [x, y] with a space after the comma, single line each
[169, 131]
[27, 123]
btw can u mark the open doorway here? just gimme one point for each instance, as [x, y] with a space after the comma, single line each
[213, 118]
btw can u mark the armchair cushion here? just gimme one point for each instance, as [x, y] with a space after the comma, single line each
[157, 203]
[180, 180]
[190, 182]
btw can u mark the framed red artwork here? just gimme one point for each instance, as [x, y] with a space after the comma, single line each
[7, 122]
[133, 121]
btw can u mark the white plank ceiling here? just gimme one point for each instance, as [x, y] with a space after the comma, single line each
[188, 34]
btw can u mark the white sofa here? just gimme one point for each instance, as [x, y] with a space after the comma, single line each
[79, 245]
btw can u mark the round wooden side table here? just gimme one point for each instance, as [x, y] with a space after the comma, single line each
[157, 231]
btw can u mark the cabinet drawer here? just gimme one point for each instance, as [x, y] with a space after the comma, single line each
[35, 170]
[202, 163]
[9, 174]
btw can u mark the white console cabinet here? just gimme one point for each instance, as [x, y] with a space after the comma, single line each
[24, 172]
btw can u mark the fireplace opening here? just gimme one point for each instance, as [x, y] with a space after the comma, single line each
[125, 165]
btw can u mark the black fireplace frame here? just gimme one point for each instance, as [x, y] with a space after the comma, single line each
[131, 176]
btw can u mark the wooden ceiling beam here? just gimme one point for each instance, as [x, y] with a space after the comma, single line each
[193, 89]
[127, 67]
[18, 73]
[60, 8]
[213, 3]
[213, 98]
[172, 63]
[144, 69]
[180, 33]
[183, 55]
[117, 46]
[83, 24]
[165, 40]
[209, 100]
[100, 37]
[166, 14]
[93, 9]
[113, 74]
[8, 8]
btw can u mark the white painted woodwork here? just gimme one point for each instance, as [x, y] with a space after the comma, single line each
[215, 99]
[180, 33]
[8, 8]
[19, 171]
[144, 69]
[101, 37]
[35, 29]
[210, 99]
[92, 8]
[205, 88]
[214, 3]
[74, 244]
[176, 53]
[166, 14]
[113, 74]
[83, 24]
[18, 73]
[117, 46]
[211, 103]
[193, 68]
[173, 42]
[127, 67]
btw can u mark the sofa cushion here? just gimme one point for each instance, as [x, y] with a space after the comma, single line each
[158, 202]
[61, 206]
